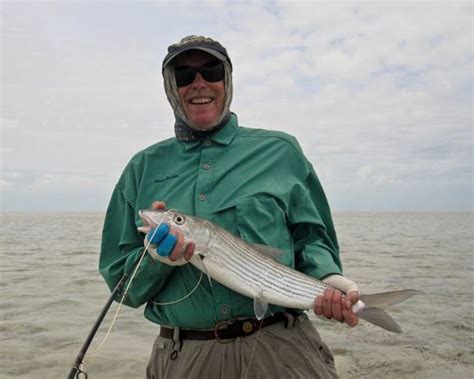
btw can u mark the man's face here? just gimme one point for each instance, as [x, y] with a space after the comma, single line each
[202, 101]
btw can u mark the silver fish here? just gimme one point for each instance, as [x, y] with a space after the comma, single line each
[253, 270]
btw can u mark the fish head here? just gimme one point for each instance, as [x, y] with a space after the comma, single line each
[194, 229]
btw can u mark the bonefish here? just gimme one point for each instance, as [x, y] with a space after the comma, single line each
[253, 270]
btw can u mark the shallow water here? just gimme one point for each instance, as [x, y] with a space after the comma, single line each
[52, 294]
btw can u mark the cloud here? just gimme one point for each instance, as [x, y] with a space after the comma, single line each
[379, 95]
[8, 123]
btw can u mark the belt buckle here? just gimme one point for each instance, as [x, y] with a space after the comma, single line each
[221, 326]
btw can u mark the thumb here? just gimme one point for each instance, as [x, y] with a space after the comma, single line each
[351, 299]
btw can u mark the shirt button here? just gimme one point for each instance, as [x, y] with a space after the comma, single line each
[206, 166]
[202, 197]
[207, 143]
[224, 310]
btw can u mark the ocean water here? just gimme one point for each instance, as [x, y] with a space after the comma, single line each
[51, 294]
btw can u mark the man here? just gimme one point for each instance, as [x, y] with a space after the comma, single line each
[255, 183]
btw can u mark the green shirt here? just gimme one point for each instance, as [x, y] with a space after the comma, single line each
[255, 183]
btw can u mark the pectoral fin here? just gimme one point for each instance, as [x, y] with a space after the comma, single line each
[198, 260]
[260, 308]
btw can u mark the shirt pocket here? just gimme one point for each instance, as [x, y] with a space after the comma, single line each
[260, 219]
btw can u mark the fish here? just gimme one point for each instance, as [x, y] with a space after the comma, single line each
[253, 270]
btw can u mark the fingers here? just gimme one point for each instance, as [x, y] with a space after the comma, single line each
[177, 251]
[158, 205]
[157, 235]
[333, 305]
[180, 249]
[171, 242]
[350, 318]
[318, 306]
[350, 299]
[327, 303]
[337, 305]
[166, 246]
[189, 250]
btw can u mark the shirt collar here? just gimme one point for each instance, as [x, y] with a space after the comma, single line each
[223, 137]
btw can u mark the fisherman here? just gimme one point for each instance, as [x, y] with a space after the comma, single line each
[255, 183]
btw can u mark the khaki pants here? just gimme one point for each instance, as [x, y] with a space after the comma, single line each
[272, 352]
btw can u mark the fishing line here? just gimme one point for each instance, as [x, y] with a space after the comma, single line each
[257, 337]
[129, 283]
[185, 297]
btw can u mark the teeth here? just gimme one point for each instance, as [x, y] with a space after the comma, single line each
[201, 100]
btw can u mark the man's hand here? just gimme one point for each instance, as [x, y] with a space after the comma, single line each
[169, 242]
[333, 304]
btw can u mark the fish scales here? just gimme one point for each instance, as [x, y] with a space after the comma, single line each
[264, 275]
[243, 268]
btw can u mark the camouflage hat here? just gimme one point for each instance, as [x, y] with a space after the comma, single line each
[196, 43]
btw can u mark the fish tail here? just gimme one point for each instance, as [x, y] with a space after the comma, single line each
[374, 313]
[379, 317]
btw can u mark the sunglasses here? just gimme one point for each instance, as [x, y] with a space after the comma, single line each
[211, 72]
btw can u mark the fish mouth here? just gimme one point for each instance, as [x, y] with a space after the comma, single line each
[148, 222]
[142, 213]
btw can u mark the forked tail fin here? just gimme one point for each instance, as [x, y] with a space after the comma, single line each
[373, 304]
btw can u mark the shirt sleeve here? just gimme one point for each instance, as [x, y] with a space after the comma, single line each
[312, 228]
[122, 246]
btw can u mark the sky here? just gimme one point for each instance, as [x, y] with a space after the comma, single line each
[378, 94]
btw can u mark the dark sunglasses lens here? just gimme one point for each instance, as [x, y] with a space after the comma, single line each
[214, 73]
[184, 76]
[211, 72]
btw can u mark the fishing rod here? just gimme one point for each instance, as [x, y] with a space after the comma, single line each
[76, 371]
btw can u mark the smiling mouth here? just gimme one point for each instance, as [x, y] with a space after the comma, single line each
[201, 100]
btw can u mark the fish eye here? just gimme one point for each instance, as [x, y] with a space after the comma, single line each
[179, 219]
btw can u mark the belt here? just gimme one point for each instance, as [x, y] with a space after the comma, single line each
[229, 330]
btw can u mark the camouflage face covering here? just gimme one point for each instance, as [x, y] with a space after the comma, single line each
[184, 129]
